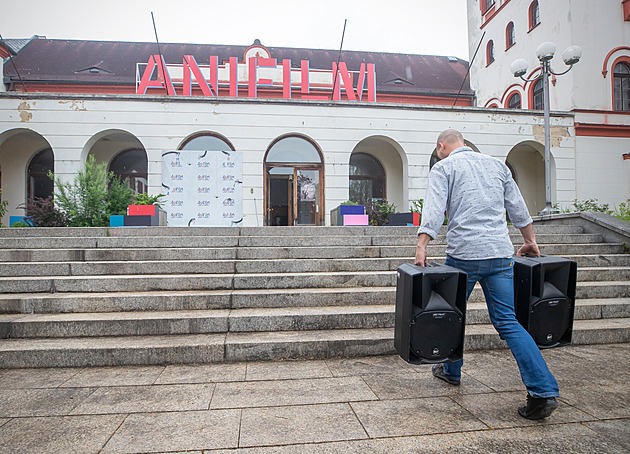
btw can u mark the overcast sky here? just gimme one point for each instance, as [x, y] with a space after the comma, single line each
[403, 26]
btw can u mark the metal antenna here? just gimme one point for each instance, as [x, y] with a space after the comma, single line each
[338, 60]
[162, 62]
[468, 70]
[16, 70]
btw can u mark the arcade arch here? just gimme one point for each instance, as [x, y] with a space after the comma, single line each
[386, 152]
[527, 164]
[21, 149]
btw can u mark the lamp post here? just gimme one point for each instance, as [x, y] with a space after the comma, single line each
[545, 52]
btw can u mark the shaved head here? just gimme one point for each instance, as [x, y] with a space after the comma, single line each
[450, 136]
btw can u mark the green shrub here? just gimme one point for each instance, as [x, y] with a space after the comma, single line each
[623, 212]
[579, 206]
[3, 208]
[349, 202]
[21, 224]
[84, 200]
[119, 195]
[146, 199]
[416, 206]
[378, 212]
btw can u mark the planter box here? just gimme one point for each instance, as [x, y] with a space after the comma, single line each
[409, 218]
[336, 215]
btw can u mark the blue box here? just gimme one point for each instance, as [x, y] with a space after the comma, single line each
[14, 219]
[116, 220]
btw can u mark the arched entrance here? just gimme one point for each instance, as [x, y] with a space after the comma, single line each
[25, 159]
[294, 182]
[124, 154]
[526, 162]
[384, 160]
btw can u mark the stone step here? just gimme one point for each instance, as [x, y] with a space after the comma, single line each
[137, 282]
[253, 241]
[280, 345]
[55, 303]
[270, 253]
[100, 232]
[245, 266]
[109, 283]
[156, 323]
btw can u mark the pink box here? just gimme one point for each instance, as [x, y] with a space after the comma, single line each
[355, 219]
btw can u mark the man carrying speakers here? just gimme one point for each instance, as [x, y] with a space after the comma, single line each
[474, 190]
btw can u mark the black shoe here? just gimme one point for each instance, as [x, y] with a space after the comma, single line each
[538, 407]
[438, 372]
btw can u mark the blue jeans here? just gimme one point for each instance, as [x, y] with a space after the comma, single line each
[496, 278]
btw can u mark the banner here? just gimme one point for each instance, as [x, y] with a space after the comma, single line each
[203, 188]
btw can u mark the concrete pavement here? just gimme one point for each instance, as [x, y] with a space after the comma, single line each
[367, 405]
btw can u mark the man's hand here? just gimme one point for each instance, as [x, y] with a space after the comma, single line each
[421, 250]
[530, 247]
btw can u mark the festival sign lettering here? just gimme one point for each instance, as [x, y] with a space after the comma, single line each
[258, 72]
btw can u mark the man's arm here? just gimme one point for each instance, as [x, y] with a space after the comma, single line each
[529, 239]
[421, 249]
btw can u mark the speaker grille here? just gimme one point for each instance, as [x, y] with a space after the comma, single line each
[436, 334]
[549, 320]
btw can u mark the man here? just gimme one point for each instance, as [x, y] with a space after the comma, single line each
[474, 190]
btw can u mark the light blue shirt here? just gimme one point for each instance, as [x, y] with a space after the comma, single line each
[474, 190]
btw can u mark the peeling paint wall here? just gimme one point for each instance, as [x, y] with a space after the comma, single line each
[70, 123]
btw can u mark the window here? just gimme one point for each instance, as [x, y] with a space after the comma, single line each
[487, 5]
[131, 165]
[367, 179]
[621, 86]
[39, 185]
[207, 142]
[489, 52]
[538, 95]
[510, 39]
[534, 14]
[514, 101]
[294, 149]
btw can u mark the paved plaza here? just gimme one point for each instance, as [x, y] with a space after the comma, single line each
[359, 405]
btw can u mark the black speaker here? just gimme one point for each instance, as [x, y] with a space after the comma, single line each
[544, 298]
[430, 313]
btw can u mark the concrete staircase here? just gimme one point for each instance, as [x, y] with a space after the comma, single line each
[139, 296]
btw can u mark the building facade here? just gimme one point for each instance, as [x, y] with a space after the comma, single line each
[596, 90]
[293, 114]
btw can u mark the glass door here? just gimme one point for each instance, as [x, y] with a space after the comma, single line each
[306, 198]
[280, 199]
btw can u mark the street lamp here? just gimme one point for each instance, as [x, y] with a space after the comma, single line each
[545, 52]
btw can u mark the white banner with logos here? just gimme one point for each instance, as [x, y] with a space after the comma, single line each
[203, 188]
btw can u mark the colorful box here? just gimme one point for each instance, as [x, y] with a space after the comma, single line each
[336, 215]
[142, 210]
[355, 219]
[410, 218]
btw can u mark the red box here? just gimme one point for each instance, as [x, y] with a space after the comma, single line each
[142, 210]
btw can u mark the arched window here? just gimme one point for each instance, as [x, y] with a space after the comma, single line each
[534, 14]
[489, 52]
[514, 101]
[367, 179]
[207, 142]
[294, 150]
[40, 186]
[131, 165]
[538, 95]
[621, 86]
[510, 38]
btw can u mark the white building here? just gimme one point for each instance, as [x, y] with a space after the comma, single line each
[596, 91]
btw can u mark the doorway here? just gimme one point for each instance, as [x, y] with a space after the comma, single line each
[293, 196]
[294, 183]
